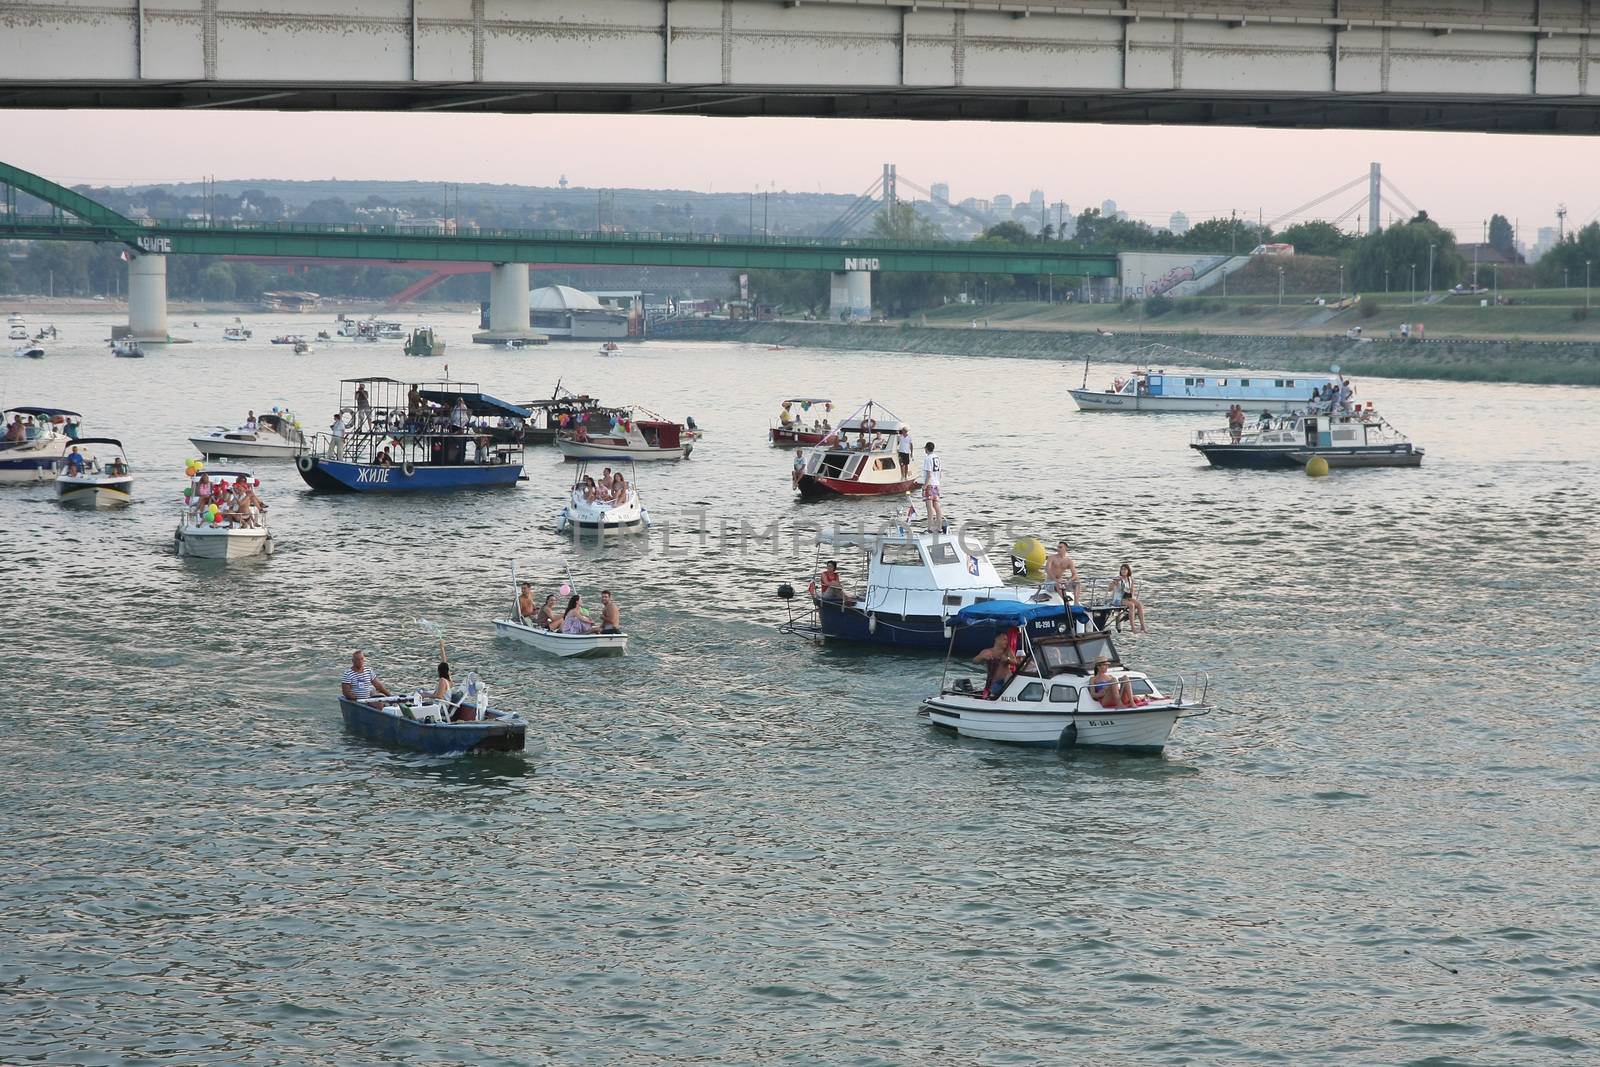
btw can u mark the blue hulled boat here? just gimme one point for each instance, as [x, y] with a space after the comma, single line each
[419, 437]
[425, 727]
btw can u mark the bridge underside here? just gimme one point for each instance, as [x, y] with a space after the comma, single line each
[1510, 65]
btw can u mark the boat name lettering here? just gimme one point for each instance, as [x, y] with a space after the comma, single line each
[870, 263]
[156, 244]
[373, 475]
[1099, 722]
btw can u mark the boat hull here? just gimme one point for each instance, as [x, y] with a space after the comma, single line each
[1100, 400]
[203, 543]
[812, 486]
[95, 493]
[378, 725]
[21, 465]
[564, 645]
[597, 450]
[793, 438]
[924, 632]
[341, 476]
[1295, 457]
[1138, 729]
[1395, 456]
[218, 448]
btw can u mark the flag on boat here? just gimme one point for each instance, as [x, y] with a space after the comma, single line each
[911, 512]
[126, 258]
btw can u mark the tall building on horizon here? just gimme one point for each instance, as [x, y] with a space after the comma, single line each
[1002, 205]
[1036, 200]
[940, 192]
[1179, 223]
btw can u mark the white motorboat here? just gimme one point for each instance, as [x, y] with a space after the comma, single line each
[1050, 697]
[127, 348]
[100, 478]
[866, 465]
[627, 437]
[34, 458]
[609, 348]
[235, 333]
[526, 631]
[206, 532]
[289, 339]
[593, 509]
[18, 332]
[31, 350]
[275, 435]
[302, 348]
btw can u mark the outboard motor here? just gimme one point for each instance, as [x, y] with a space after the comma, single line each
[688, 420]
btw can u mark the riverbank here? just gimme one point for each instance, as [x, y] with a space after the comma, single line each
[1528, 362]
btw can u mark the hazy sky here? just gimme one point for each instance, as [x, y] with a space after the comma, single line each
[1149, 170]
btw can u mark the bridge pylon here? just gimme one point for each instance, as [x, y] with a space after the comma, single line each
[509, 318]
[147, 299]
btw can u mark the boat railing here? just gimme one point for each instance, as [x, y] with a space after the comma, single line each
[1186, 681]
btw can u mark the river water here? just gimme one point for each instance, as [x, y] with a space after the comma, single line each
[735, 847]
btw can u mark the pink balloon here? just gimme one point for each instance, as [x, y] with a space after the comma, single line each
[566, 590]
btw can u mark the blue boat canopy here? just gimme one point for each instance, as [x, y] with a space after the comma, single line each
[1014, 613]
[477, 403]
[50, 412]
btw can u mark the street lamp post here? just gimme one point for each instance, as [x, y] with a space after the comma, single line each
[1413, 283]
[1280, 287]
[1386, 279]
[1494, 272]
[1430, 269]
[1586, 285]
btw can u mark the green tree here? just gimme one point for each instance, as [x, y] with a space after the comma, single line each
[1006, 232]
[1316, 238]
[1400, 248]
[1565, 263]
[216, 282]
[1501, 235]
[1232, 235]
[902, 293]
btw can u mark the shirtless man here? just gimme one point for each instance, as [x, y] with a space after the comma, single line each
[998, 663]
[610, 617]
[1058, 567]
[527, 608]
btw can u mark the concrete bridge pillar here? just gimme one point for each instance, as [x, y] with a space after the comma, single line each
[850, 295]
[508, 306]
[147, 298]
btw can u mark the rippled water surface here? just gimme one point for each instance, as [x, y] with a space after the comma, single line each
[734, 847]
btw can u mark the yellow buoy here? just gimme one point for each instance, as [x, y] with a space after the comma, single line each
[1029, 553]
[1317, 467]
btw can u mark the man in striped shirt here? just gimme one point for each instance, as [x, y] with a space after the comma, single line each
[360, 681]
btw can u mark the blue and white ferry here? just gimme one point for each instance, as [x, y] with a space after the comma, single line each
[1256, 391]
[414, 437]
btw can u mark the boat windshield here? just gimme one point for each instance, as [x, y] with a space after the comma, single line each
[1076, 653]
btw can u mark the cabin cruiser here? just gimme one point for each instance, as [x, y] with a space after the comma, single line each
[404, 437]
[423, 342]
[275, 435]
[1045, 692]
[790, 427]
[98, 477]
[593, 509]
[1145, 391]
[626, 437]
[562, 411]
[1345, 438]
[913, 587]
[127, 348]
[858, 458]
[227, 530]
[34, 459]
[30, 350]
[289, 339]
[609, 348]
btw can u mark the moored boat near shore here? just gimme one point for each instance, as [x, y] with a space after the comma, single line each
[1150, 391]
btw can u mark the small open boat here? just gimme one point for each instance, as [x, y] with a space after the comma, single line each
[465, 722]
[101, 480]
[525, 631]
[790, 428]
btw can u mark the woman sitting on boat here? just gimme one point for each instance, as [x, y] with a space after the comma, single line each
[1110, 693]
[546, 616]
[619, 489]
[574, 621]
[998, 664]
[1122, 596]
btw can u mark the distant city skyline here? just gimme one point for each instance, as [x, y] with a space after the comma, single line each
[1149, 171]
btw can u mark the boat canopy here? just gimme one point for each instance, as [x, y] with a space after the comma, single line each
[1015, 613]
[808, 400]
[97, 441]
[47, 412]
[219, 475]
[477, 403]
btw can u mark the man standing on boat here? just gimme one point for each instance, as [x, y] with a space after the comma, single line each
[360, 681]
[363, 407]
[930, 487]
[902, 447]
[1059, 567]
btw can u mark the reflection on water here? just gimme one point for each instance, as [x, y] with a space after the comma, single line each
[735, 845]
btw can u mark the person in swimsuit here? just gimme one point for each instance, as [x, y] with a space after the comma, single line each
[527, 610]
[610, 617]
[1064, 572]
[547, 617]
[1123, 596]
[1110, 693]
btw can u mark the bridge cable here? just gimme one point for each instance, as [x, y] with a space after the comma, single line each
[859, 209]
[1346, 187]
[1404, 199]
[965, 212]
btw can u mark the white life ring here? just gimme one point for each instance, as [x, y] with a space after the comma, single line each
[408, 468]
[348, 417]
[305, 463]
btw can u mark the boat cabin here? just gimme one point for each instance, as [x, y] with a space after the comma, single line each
[1353, 429]
[659, 433]
[1242, 387]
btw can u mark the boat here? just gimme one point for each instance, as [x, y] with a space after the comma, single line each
[616, 433]
[324, 335]
[392, 331]
[302, 348]
[911, 589]
[47, 333]
[521, 629]
[275, 435]
[790, 429]
[608, 349]
[236, 333]
[464, 722]
[206, 536]
[31, 350]
[17, 332]
[562, 410]
[1358, 438]
[34, 460]
[400, 437]
[1146, 391]
[102, 481]
[588, 513]
[422, 342]
[866, 466]
[289, 339]
[127, 348]
[1048, 700]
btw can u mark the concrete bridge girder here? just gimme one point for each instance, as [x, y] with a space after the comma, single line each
[1461, 64]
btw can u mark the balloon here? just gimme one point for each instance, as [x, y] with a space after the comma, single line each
[256, 482]
[566, 590]
[805, 406]
[188, 491]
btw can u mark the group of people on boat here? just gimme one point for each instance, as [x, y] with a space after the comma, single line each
[361, 684]
[573, 620]
[1331, 397]
[1002, 663]
[27, 428]
[612, 488]
[238, 505]
[1060, 569]
[76, 463]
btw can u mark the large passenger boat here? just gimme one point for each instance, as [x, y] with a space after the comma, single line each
[402, 437]
[1359, 438]
[1145, 391]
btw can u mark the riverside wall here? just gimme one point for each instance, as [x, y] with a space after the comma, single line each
[1535, 362]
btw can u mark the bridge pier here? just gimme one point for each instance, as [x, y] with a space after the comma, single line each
[850, 295]
[147, 298]
[508, 306]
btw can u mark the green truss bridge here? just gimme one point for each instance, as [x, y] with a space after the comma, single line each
[75, 217]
